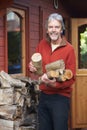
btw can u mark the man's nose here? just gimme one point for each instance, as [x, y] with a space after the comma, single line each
[54, 28]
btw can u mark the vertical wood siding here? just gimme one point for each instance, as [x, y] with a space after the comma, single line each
[2, 45]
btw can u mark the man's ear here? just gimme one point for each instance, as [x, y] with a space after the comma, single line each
[47, 31]
[61, 31]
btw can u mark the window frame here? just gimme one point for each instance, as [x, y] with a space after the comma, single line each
[21, 13]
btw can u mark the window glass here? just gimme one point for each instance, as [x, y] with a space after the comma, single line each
[82, 55]
[14, 43]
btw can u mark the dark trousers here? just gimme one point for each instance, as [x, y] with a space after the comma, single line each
[53, 112]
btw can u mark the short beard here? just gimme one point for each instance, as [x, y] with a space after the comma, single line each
[48, 38]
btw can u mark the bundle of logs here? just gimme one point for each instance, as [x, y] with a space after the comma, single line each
[54, 69]
[18, 100]
[57, 70]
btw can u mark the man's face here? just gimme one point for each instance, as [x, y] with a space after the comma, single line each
[54, 30]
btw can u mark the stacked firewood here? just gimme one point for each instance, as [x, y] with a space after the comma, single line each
[18, 100]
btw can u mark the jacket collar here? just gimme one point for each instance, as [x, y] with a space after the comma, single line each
[63, 42]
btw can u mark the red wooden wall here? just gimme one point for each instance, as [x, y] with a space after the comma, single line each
[2, 45]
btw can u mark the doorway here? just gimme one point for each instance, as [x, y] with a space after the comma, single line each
[79, 94]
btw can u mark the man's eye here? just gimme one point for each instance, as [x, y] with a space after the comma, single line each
[53, 27]
[57, 27]
[50, 27]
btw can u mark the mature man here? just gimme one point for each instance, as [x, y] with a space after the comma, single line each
[54, 101]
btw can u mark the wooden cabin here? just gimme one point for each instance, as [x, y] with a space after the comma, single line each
[22, 26]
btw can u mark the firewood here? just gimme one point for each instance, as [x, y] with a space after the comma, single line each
[30, 120]
[9, 125]
[4, 83]
[10, 96]
[37, 62]
[59, 64]
[16, 97]
[53, 74]
[6, 96]
[60, 75]
[61, 78]
[10, 112]
[12, 81]
[68, 74]
[18, 113]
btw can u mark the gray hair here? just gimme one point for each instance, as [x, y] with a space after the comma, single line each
[55, 16]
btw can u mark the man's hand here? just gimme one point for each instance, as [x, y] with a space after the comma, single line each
[50, 82]
[32, 67]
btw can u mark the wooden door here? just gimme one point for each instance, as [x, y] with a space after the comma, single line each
[79, 94]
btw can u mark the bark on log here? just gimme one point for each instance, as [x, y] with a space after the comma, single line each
[9, 125]
[10, 96]
[10, 112]
[61, 78]
[37, 62]
[4, 83]
[30, 120]
[6, 96]
[59, 64]
[10, 80]
[28, 80]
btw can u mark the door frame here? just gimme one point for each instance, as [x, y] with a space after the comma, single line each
[78, 111]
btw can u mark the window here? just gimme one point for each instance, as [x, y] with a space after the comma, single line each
[82, 31]
[16, 41]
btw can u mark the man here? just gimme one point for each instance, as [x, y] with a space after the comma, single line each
[54, 104]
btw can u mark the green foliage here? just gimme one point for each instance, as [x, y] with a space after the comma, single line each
[83, 47]
[83, 41]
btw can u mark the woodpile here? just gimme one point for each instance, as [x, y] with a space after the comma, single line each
[18, 102]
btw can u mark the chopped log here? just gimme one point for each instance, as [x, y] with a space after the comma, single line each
[10, 96]
[59, 64]
[19, 100]
[30, 82]
[6, 96]
[10, 112]
[9, 125]
[37, 62]
[4, 83]
[68, 74]
[12, 81]
[61, 78]
[30, 120]
[53, 74]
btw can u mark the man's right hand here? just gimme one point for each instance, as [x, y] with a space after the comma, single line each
[31, 67]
